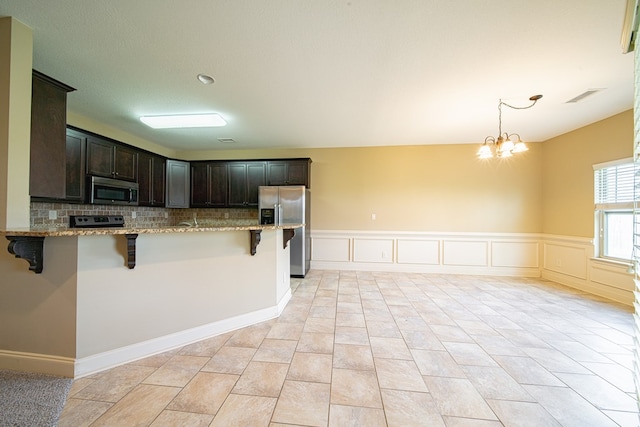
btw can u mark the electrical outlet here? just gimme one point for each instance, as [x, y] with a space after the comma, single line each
[53, 214]
[166, 214]
[134, 215]
[558, 262]
[373, 217]
[226, 215]
[385, 255]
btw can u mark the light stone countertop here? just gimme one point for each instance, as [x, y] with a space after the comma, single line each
[66, 231]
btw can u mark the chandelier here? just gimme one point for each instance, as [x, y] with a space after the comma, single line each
[505, 145]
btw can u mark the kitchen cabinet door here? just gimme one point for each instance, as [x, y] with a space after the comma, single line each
[75, 177]
[237, 190]
[125, 163]
[209, 185]
[276, 173]
[99, 157]
[105, 158]
[256, 176]
[288, 172]
[244, 180]
[298, 173]
[199, 185]
[159, 178]
[218, 185]
[178, 184]
[48, 137]
[151, 180]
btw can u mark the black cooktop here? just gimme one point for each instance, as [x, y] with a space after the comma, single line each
[95, 221]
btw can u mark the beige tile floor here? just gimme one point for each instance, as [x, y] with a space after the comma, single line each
[389, 349]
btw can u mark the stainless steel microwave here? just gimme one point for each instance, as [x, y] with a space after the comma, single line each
[107, 191]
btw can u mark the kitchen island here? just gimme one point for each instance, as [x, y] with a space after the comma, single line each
[86, 312]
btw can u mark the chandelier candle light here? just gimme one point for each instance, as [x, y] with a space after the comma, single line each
[504, 145]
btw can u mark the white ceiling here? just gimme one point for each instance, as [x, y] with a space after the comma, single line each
[330, 73]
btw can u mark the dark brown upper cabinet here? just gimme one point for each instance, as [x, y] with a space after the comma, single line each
[111, 160]
[151, 179]
[75, 165]
[244, 180]
[288, 172]
[48, 137]
[209, 184]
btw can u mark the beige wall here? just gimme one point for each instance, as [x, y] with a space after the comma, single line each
[82, 122]
[38, 311]
[424, 188]
[567, 174]
[16, 40]
[446, 188]
[418, 188]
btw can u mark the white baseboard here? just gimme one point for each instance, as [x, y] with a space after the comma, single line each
[33, 362]
[590, 287]
[77, 368]
[284, 301]
[109, 359]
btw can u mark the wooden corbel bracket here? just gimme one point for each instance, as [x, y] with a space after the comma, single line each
[131, 250]
[30, 249]
[255, 240]
[287, 234]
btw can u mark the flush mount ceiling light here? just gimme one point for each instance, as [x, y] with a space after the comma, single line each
[184, 121]
[205, 79]
[504, 145]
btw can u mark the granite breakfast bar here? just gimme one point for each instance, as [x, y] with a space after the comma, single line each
[28, 244]
[85, 311]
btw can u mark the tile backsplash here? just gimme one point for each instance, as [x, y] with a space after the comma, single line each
[145, 217]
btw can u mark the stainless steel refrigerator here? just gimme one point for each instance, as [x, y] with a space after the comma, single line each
[289, 204]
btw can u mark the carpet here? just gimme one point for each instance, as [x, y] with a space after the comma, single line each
[33, 400]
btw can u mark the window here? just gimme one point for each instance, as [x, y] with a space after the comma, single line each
[614, 183]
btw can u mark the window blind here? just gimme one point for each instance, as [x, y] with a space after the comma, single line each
[614, 186]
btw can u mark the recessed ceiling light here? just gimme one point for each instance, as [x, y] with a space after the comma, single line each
[227, 140]
[184, 121]
[205, 79]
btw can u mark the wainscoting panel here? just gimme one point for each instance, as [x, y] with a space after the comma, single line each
[614, 275]
[566, 259]
[373, 250]
[333, 249]
[425, 252]
[570, 261]
[469, 253]
[515, 254]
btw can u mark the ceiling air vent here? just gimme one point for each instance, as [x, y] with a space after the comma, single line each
[582, 96]
[227, 140]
